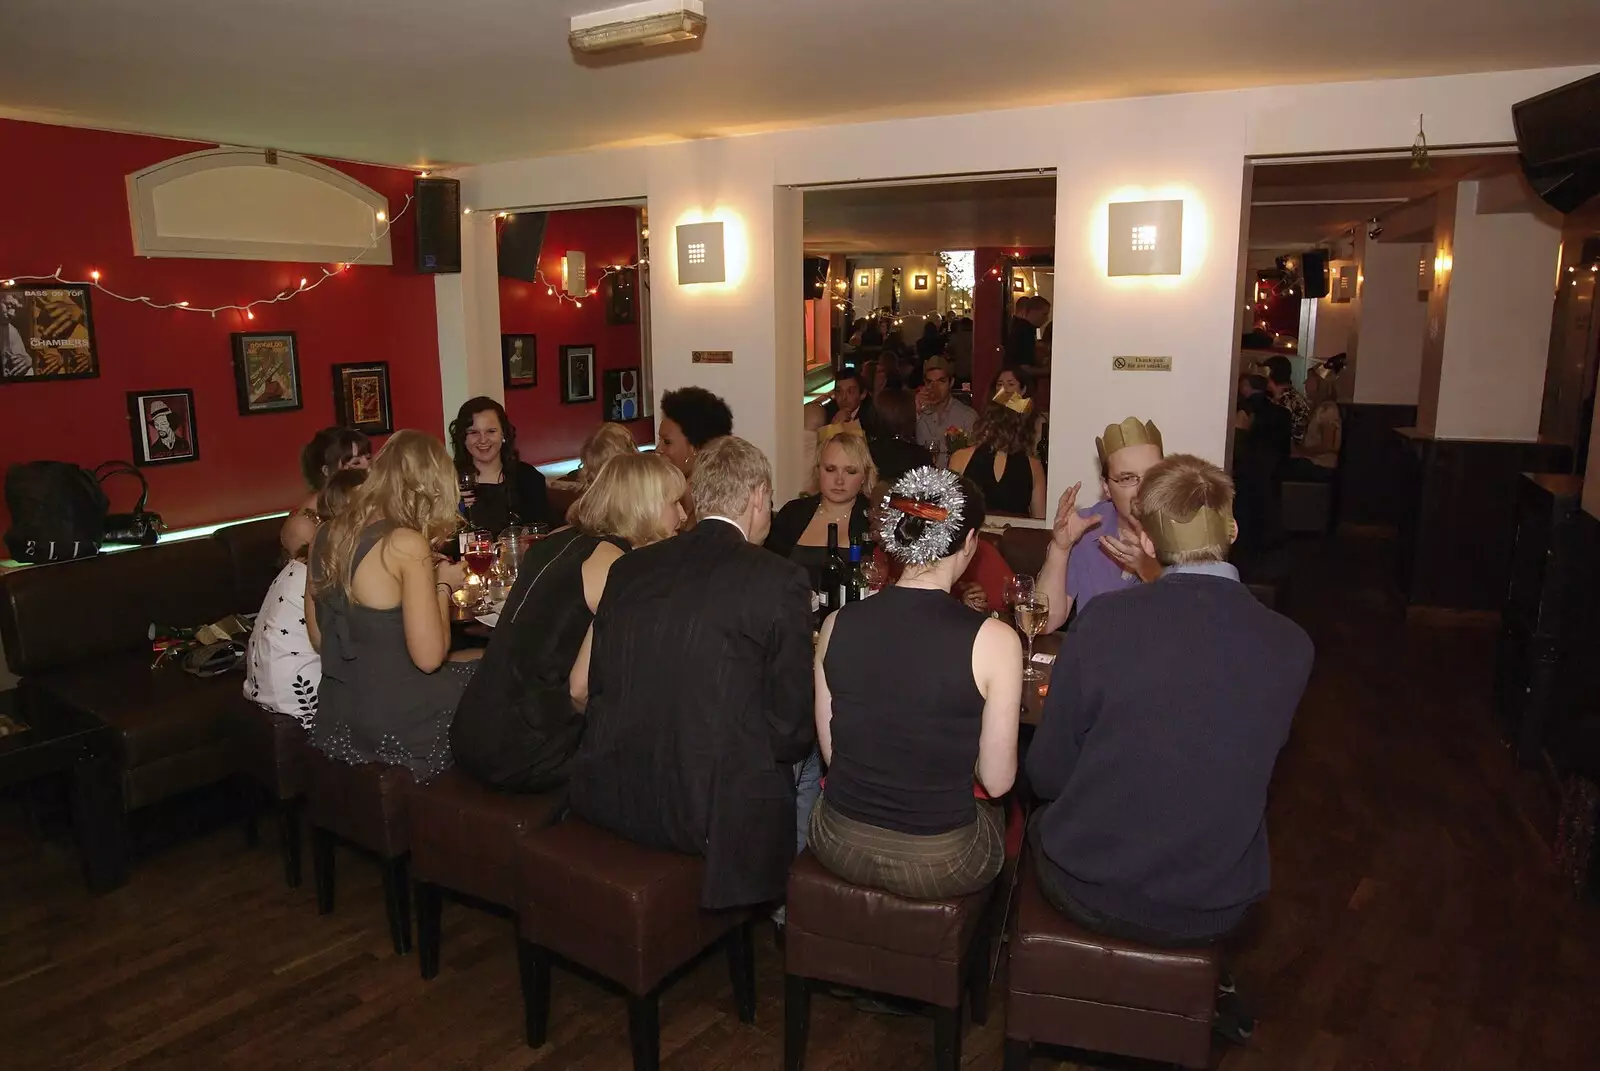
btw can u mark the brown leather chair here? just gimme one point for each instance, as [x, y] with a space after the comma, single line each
[363, 806]
[463, 838]
[270, 755]
[1024, 549]
[630, 914]
[256, 558]
[1071, 987]
[927, 950]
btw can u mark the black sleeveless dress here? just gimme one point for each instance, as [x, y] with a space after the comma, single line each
[1013, 492]
[374, 704]
[516, 728]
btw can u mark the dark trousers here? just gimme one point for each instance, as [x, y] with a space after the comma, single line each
[1054, 889]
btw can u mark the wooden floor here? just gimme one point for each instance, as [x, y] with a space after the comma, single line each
[1415, 922]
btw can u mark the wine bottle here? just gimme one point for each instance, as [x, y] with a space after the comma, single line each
[858, 582]
[835, 578]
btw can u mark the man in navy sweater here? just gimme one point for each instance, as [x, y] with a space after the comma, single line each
[1167, 709]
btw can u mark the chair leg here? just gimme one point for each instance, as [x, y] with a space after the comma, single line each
[946, 1039]
[978, 975]
[742, 970]
[397, 898]
[322, 868]
[430, 910]
[1019, 1054]
[289, 840]
[796, 1020]
[533, 963]
[644, 1030]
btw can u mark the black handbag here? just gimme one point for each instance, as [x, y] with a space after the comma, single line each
[138, 528]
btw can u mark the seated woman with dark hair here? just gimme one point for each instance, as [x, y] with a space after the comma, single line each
[898, 812]
[1001, 463]
[893, 436]
[690, 418]
[504, 489]
[521, 717]
[844, 474]
[330, 450]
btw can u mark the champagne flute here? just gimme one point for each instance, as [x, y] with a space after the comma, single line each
[1031, 616]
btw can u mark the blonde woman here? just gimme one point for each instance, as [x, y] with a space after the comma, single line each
[604, 443]
[378, 611]
[845, 475]
[522, 716]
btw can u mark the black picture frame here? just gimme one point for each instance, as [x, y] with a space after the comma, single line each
[519, 361]
[144, 410]
[578, 374]
[261, 360]
[54, 325]
[361, 398]
[624, 395]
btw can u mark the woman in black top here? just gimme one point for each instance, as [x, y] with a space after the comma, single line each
[893, 435]
[521, 718]
[916, 695]
[800, 530]
[1001, 463]
[507, 490]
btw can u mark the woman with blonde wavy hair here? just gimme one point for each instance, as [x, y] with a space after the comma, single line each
[522, 716]
[378, 611]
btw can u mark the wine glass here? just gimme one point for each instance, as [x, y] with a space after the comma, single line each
[478, 553]
[1031, 615]
[1019, 589]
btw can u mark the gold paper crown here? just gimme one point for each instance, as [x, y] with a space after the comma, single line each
[1206, 528]
[1131, 432]
[1012, 401]
[828, 431]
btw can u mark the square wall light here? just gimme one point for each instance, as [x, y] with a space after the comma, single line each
[700, 254]
[1145, 238]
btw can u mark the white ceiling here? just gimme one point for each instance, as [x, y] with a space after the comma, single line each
[420, 81]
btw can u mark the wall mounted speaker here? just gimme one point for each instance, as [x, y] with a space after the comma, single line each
[1314, 270]
[521, 239]
[438, 209]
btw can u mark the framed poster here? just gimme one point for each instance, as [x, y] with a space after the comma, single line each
[266, 372]
[577, 374]
[622, 395]
[46, 332]
[162, 426]
[361, 397]
[519, 360]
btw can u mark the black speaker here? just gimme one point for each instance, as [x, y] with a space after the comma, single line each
[438, 209]
[521, 241]
[1314, 270]
[814, 278]
[1558, 139]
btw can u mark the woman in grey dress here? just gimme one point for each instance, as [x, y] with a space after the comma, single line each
[378, 611]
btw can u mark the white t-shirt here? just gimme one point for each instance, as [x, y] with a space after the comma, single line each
[283, 670]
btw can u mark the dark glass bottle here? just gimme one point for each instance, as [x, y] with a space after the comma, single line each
[835, 574]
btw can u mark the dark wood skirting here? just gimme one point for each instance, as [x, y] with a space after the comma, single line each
[1369, 455]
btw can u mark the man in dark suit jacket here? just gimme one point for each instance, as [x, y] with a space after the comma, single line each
[700, 689]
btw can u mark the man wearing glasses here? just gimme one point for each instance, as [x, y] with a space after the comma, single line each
[1114, 559]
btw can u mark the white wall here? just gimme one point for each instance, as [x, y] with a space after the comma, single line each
[1393, 324]
[1339, 326]
[1192, 146]
[1497, 342]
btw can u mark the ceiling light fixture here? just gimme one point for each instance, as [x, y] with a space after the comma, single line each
[650, 22]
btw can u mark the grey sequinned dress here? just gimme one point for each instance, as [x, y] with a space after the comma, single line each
[375, 704]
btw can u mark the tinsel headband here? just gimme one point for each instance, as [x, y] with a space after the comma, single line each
[931, 495]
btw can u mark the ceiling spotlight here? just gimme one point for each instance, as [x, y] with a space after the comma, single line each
[650, 22]
[1374, 229]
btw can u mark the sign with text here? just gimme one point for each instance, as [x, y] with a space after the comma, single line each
[712, 356]
[1141, 364]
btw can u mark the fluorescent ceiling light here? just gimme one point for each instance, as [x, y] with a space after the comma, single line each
[651, 22]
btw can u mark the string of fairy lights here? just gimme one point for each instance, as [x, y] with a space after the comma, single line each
[247, 308]
[558, 289]
[998, 268]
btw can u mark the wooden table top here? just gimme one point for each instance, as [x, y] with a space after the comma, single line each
[1033, 692]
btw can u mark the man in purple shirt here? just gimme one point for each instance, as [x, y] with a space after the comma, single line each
[1074, 574]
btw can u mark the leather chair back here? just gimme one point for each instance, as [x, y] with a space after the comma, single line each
[1024, 548]
[256, 557]
[70, 613]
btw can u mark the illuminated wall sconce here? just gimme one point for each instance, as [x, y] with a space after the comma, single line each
[1145, 238]
[575, 274]
[919, 282]
[864, 280]
[700, 254]
[1442, 264]
[1017, 284]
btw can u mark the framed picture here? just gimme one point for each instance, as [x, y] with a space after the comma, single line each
[622, 401]
[266, 372]
[577, 374]
[919, 282]
[519, 360]
[162, 426]
[361, 397]
[46, 332]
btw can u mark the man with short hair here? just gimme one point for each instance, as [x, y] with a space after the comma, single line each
[1170, 703]
[1113, 560]
[1280, 384]
[944, 424]
[849, 398]
[700, 689]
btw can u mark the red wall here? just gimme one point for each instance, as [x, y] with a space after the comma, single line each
[67, 205]
[547, 429]
[990, 320]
